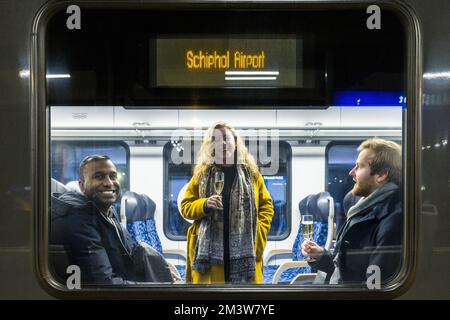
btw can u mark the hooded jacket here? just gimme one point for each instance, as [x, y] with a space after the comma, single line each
[98, 245]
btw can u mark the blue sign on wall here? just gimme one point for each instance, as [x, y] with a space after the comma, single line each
[369, 99]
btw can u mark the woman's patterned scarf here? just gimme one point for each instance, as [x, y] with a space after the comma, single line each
[242, 226]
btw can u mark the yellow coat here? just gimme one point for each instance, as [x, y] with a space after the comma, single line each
[192, 209]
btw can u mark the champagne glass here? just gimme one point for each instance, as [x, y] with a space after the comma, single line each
[218, 182]
[307, 229]
[307, 226]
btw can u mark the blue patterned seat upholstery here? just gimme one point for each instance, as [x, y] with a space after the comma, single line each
[145, 231]
[316, 205]
[140, 222]
[139, 219]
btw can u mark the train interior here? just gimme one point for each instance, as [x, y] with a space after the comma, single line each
[316, 151]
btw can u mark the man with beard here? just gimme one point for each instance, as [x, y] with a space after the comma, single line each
[372, 234]
[88, 226]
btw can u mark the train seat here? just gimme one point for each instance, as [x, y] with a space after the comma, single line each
[321, 207]
[73, 186]
[341, 213]
[137, 215]
[57, 188]
[349, 201]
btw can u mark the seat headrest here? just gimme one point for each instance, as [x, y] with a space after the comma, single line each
[349, 201]
[138, 207]
[73, 186]
[316, 205]
[57, 187]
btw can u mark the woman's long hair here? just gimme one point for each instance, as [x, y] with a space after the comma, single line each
[206, 154]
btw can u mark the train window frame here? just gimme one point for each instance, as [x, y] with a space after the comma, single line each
[411, 135]
[168, 147]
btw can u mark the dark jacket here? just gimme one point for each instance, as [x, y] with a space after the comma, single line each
[103, 252]
[372, 236]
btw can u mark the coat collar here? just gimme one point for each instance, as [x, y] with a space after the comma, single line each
[378, 196]
[363, 210]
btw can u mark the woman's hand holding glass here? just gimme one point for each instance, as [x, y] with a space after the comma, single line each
[214, 202]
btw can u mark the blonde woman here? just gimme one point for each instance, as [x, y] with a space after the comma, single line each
[227, 239]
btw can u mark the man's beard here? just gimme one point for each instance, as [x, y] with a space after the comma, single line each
[363, 189]
[102, 202]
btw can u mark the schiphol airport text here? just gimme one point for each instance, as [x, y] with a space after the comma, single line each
[228, 60]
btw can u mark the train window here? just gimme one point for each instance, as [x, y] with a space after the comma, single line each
[307, 85]
[340, 160]
[67, 155]
[179, 175]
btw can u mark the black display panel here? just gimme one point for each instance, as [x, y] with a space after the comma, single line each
[232, 61]
[141, 59]
[137, 58]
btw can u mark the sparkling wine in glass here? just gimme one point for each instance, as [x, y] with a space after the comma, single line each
[307, 226]
[218, 182]
[307, 229]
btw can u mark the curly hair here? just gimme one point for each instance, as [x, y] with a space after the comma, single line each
[205, 159]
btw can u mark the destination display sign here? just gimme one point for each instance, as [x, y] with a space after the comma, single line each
[229, 62]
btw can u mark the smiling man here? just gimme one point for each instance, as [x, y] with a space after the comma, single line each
[99, 181]
[371, 237]
[94, 238]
